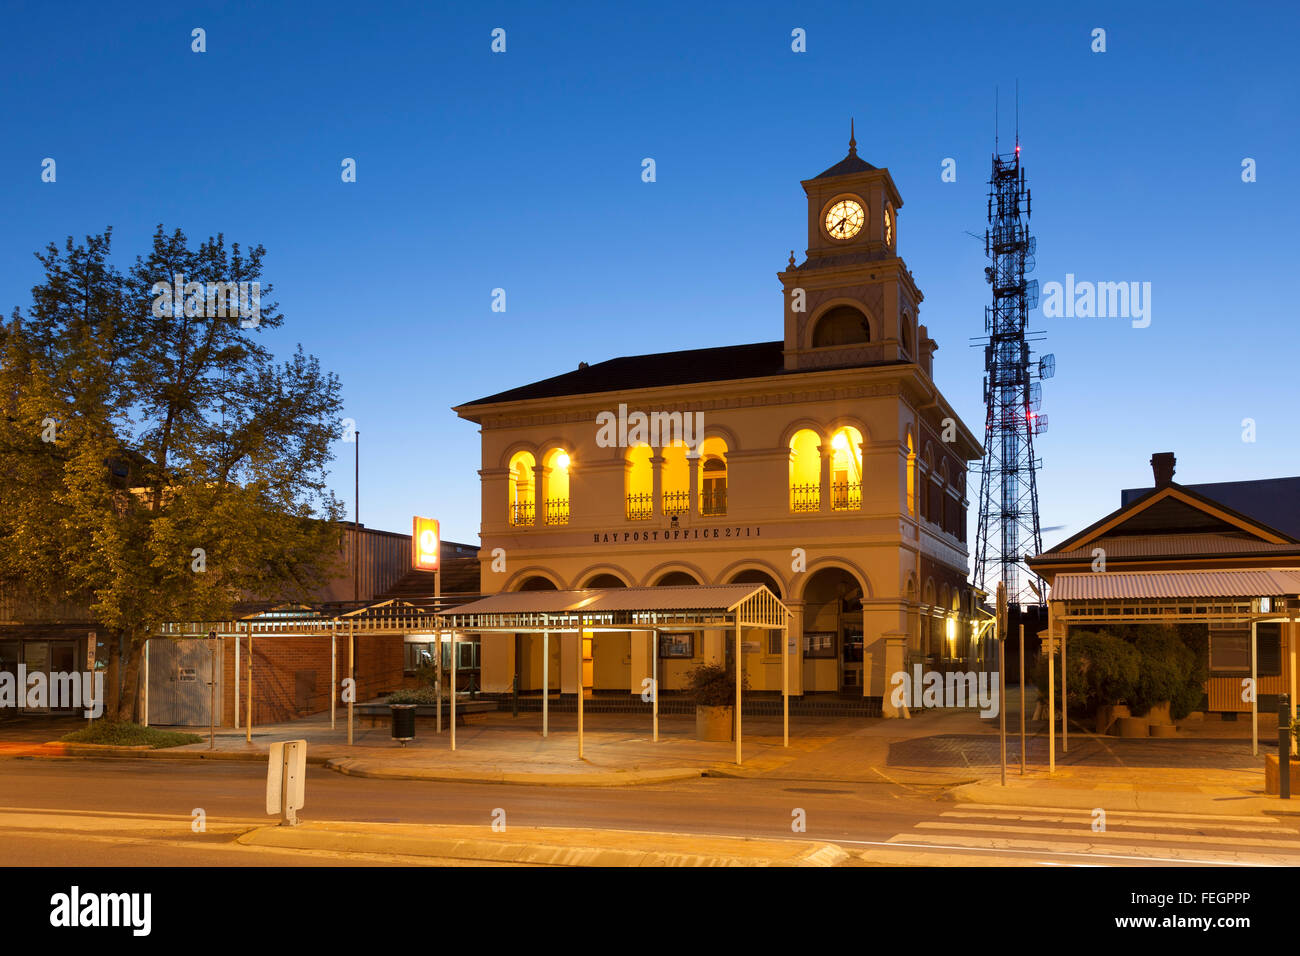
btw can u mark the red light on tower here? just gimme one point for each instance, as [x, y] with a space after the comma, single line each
[424, 544]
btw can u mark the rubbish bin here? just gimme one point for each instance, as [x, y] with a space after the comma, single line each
[403, 722]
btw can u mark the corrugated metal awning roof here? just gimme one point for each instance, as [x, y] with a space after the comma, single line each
[1156, 585]
[697, 597]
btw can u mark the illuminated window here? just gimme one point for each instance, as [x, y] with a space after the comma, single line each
[640, 483]
[846, 469]
[805, 471]
[556, 489]
[713, 476]
[522, 499]
[676, 479]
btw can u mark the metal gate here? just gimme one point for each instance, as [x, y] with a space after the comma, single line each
[180, 671]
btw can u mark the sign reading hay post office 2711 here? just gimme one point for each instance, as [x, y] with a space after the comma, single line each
[679, 535]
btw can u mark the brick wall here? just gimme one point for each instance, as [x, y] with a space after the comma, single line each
[291, 674]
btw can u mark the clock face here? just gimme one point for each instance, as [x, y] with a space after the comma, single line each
[845, 219]
[889, 227]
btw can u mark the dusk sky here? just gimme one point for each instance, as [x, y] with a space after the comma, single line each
[522, 171]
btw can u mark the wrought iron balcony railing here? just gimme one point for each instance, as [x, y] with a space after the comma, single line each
[557, 511]
[521, 513]
[713, 502]
[677, 502]
[846, 496]
[805, 498]
[640, 507]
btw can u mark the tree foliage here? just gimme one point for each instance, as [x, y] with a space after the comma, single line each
[160, 465]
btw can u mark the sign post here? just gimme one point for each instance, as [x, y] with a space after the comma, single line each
[1001, 634]
[212, 702]
[426, 549]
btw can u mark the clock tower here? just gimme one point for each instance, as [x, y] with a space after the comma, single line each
[852, 301]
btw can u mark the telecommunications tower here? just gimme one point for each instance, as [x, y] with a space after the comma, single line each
[1008, 519]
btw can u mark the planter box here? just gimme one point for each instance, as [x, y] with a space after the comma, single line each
[1107, 714]
[1164, 730]
[1271, 775]
[1133, 727]
[713, 723]
[1159, 714]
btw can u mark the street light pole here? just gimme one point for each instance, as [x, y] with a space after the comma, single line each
[356, 522]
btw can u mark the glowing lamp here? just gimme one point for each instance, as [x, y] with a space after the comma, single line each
[424, 544]
[562, 461]
[840, 441]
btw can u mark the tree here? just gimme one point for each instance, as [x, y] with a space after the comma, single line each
[159, 463]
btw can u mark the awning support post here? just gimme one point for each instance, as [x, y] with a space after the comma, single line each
[1065, 696]
[248, 728]
[334, 668]
[546, 683]
[1254, 693]
[578, 681]
[654, 680]
[452, 692]
[785, 684]
[740, 664]
[352, 674]
[1291, 639]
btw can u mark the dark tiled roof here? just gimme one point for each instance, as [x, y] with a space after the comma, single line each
[661, 368]
[1274, 502]
[852, 163]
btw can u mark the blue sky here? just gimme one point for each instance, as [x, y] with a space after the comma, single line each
[522, 171]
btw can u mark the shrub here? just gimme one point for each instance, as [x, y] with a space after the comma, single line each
[713, 685]
[416, 695]
[1102, 669]
[1171, 671]
[121, 733]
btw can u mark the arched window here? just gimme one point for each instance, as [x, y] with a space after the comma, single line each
[676, 479]
[713, 476]
[805, 471]
[905, 333]
[842, 325]
[522, 497]
[556, 488]
[639, 483]
[846, 469]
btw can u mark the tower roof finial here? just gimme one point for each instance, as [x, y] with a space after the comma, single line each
[853, 143]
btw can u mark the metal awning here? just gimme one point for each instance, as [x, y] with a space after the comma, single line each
[1158, 585]
[689, 607]
[655, 610]
[1211, 596]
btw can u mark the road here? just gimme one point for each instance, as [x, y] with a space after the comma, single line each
[910, 820]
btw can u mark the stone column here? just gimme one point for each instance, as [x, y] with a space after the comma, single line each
[657, 484]
[693, 485]
[539, 494]
[895, 661]
[796, 656]
[827, 454]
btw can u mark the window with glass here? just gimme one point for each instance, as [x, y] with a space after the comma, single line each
[676, 645]
[819, 644]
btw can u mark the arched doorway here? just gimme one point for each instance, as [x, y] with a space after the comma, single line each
[531, 649]
[833, 632]
[606, 658]
[679, 652]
